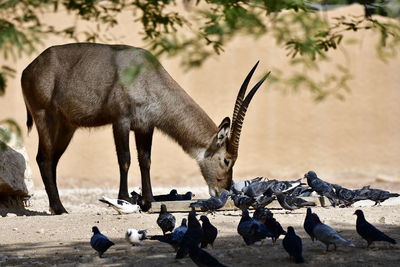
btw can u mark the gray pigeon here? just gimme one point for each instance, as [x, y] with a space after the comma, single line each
[301, 191]
[242, 201]
[251, 230]
[326, 234]
[347, 197]
[262, 215]
[309, 224]
[179, 232]
[166, 220]
[238, 187]
[257, 188]
[378, 195]
[213, 203]
[262, 200]
[369, 232]
[289, 202]
[321, 187]
[100, 242]
[192, 237]
[284, 186]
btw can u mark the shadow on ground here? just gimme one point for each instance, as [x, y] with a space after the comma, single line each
[230, 250]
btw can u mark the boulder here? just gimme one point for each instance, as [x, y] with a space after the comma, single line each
[15, 173]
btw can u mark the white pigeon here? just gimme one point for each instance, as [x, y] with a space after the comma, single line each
[120, 205]
[135, 237]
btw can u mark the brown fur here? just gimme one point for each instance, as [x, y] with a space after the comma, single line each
[88, 85]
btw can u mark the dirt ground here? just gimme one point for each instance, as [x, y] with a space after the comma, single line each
[36, 238]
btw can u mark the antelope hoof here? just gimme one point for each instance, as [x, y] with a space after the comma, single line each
[58, 210]
[145, 206]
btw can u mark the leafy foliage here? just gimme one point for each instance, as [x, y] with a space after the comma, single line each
[205, 29]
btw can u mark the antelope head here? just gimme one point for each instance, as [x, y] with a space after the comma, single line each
[222, 152]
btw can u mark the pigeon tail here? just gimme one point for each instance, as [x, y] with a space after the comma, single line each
[389, 239]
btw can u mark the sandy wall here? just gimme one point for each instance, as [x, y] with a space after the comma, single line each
[284, 135]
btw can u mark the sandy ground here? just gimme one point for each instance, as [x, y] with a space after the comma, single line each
[38, 238]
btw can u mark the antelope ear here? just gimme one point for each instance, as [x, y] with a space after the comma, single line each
[220, 137]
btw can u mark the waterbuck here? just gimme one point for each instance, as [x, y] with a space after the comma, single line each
[86, 85]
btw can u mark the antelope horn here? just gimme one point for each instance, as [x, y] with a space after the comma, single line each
[242, 91]
[238, 123]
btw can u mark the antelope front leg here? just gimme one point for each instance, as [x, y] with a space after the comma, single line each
[121, 131]
[143, 146]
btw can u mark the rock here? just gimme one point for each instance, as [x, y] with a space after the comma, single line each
[15, 172]
[382, 220]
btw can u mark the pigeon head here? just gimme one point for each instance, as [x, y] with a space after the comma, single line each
[189, 194]
[183, 223]
[310, 175]
[163, 208]
[290, 230]
[224, 194]
[95, 230]
[359, 213]
[143, 234]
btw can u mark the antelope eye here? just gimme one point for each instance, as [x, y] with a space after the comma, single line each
[226, 162]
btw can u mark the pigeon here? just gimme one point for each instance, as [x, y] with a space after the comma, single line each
[251, 230]
[346, 196]
[175, 238]
[192, 237]
[166, 220]
[242, 201]
[301, 191]
[212, 203]
[257, 188]
[210, 232]
[379, 195]
[179, 232]
[263, 200]
[187, 196]
[237, 188]
[100, 242]
[262, 214]
[275, 228]
[321, 187]
[283, 186]
[368, 231]
[168, 197]
[174, 196]
[293, 245]
[135, 237]
[309, 225]
[120, 205]
[326, 234]
[202, 258]
[289, 202]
